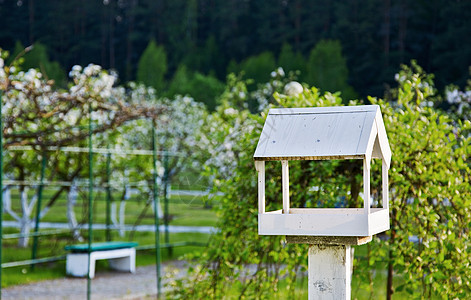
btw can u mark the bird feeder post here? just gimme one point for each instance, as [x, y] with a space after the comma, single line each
[325, 133]
[285, 185]
[366, 187]
[329, 272]
[260, 167]
[385, 184]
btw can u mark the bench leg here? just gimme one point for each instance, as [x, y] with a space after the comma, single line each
[77, 265]
[126, 264]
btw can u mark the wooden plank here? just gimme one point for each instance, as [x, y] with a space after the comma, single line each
[268, 127]
[377, 149]
[313, 224]
[321, 110]
[285, 185]
[314, 135]
[378, 221]
[260, 167]
[365, 137]
[385, 184]
[366, 187]
[328, 240]
[326, 157]
[323, 211]
[383, 138]
[349, 130]
[324, 224]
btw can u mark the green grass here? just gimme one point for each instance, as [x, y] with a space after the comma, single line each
[54, 247]
[183, 210]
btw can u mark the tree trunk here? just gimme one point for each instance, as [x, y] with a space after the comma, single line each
[31, 21]
[387, 31]
[71, 219]
[25, 221]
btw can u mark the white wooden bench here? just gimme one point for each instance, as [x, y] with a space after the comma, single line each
[121, 257]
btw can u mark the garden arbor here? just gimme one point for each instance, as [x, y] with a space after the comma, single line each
[324, 133]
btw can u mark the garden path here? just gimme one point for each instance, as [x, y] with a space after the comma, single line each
[106, 285]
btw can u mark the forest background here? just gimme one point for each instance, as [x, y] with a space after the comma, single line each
[207, 39]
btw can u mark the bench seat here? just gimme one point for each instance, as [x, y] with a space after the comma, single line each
[121, 257]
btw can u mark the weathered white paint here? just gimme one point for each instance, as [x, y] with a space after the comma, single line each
[285, 185]
[366, 187]
[119, 259]
[322, 132]
[385, 185]
[326, 109]
[260, 167]
[383, 139]
[324, 222]
[330, 272]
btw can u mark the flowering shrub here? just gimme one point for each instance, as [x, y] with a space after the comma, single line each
[428, 245]
[37, 114]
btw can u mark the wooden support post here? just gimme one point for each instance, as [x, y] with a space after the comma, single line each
[285, 185]
[330, 272]
[260, 167]
[385, 180]
[366, 186]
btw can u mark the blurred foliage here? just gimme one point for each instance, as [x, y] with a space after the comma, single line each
[327, 69]
[152, 66]
[428, 245]
[290, 60]
[257, 67]
[36, 57]
[203, 88]
[376, 35]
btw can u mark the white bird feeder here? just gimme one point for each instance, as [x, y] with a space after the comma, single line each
[323, 133]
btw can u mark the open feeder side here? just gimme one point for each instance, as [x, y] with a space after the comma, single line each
[323, 133]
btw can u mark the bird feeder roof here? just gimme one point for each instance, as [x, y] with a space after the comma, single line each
[320, 133]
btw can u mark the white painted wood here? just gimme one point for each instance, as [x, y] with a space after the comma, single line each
[120, 259]
[321, 133]
[285, 185]
[324, 222]
[385, 184]
[327, 211]
[329, 272]
[378, 221]
[366, 187]
[260, 167]
[383, 138]
[371, 142]
[377, 149]
[311, 135]
[329, 109]
[365, 137]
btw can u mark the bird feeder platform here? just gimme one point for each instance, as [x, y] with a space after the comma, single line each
[323, 133]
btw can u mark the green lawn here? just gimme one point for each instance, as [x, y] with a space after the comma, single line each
[183, 210]
[55, 246]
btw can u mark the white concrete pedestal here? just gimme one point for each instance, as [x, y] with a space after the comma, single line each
[330, 272]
